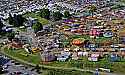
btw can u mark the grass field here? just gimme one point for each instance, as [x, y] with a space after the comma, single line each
[65, 72]
[36, 15]
[22, 54]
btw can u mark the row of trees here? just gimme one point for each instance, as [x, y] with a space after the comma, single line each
[1, 25]
[45, 13]
[8, 34]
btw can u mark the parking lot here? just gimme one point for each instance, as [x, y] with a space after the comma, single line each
[15, 68]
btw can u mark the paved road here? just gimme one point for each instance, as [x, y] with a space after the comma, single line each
[10, 66]
[19, 68]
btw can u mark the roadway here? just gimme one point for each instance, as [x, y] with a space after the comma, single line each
[12, 66]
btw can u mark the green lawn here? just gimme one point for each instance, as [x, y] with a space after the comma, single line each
[65, 72]
[36, 15]
[21, 54]
[21, 29]
[66, 27]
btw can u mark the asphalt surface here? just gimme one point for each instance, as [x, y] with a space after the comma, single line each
[11, 67]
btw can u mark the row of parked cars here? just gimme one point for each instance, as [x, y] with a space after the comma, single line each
[12, 67]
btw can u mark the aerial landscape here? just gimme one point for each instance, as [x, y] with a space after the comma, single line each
[62, 37]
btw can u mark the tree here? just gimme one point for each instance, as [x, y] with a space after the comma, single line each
[10, 19]
[17, 20]
[67, 14]
[20, 20]
[37, 27]
[45, 13]
[57, 16]
[1, 25]
[92, 9]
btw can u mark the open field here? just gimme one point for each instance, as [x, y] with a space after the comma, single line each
[36, 15]
[64, 72]
[22, 54]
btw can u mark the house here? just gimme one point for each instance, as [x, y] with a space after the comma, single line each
[15, 44]
[100, 49]
[80, 53]
[46, 28]
[73, 29]
[47, 57]
[75, 25]
[122, 52]
[94, 57]
[63, 56]
[75, 56]
[122, 39]
[76, 49]
[68, 20]
[23, 39]
[31, 21]
[114, 57]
